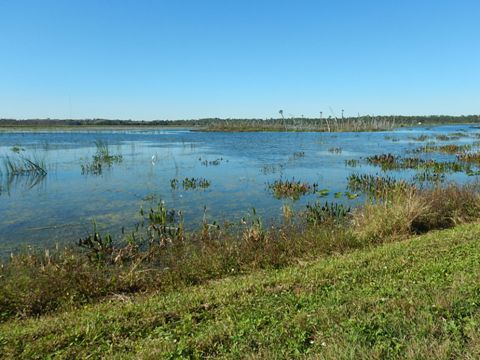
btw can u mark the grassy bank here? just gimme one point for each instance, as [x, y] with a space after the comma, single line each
[418, 298]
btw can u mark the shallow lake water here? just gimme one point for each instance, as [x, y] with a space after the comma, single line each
[60, 207]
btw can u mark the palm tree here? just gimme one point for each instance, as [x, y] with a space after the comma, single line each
[284, 123]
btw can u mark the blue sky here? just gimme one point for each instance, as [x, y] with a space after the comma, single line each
[193, 59]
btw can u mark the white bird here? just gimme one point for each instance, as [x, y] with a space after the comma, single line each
[154, 158]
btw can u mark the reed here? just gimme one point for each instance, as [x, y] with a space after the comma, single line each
[101, 159]
[23, 165]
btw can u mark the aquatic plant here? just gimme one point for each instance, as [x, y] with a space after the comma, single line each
[291, 189]
[446, 149]
[319, 213]
[272, 168]
[193, 183]
[102, 158]
[298, 154]
[99, 248]
[470, 157]
[391, 138]
[429, 176]
[17, 149]
[190, 183]
[352, 162]
[391, 162]
[23, 165]
[335, 150]
[422, 137]
[323, 192]
[174, 183]
[458, 134]
[103, 155]
[386, 161]
[163, 226]
[374, 185]
[206, 162]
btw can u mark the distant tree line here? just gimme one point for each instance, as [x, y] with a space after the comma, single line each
[290, 124]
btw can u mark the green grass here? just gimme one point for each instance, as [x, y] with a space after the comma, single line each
[418, 298]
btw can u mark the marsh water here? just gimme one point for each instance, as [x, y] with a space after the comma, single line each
[60, 206]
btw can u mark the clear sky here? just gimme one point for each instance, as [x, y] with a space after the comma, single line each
[177, 59]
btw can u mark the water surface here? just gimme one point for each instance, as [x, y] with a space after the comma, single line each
[61, 206]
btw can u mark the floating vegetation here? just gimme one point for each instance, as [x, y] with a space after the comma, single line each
[323, 192]
[447, 137]
[271, 168]
[190, 183]
[391, 162]
[419, 138]
[101, 159]
[150, 197]
[174, 183]
[335, 150]
[428, 176]
[350, 195]
[470, 172]
[352, 162]
[291, 189]
[17, 149]
[374, 185]
[386, 161]
[329, 212]
[457, 134]
[298, 155]
[206, 162]
[445, 149]
[471, 157]
[453, 149]
[391, 138]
